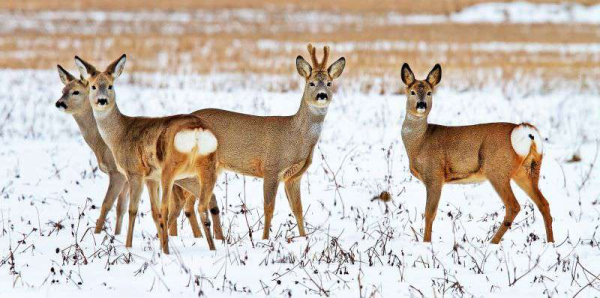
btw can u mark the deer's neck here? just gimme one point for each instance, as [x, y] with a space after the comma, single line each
[414, 131]
[308, 121]
[111, 125]
[89, 130]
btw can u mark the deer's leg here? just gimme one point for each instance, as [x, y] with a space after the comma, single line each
[167, 179]
[502, 187]
[115, 184]
[178, 200]
[271, 183]
[530, 187]
[434, 192]
[215, 215]
[292, 191]
[193, 187]
[135, 193]
[153, 192]
[121, 205]
[208, 177]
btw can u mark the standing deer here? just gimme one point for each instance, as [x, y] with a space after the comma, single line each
[74, 101]
[154, 150]
[277, 148]
[497, 152]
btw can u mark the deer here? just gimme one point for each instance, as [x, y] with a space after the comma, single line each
[155, 150]
[278, 148]
[74, 101]
[494, 152]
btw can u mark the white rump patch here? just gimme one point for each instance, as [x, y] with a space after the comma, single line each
[186, 140]
[523, 136]
[207, 142]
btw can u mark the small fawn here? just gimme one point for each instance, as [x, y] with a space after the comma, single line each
[74, 101]
[156, 150]
[278, 148]
[497, 152]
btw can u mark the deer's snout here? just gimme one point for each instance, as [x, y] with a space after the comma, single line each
[322, 96]
[421, 106]
[61, 105]
[102, 101]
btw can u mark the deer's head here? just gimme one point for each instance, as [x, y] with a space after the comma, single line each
[419, 93]
[101, 90]
[74, 95]
[319, 77]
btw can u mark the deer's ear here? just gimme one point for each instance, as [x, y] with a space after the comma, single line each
[85, 69]
[64, 75]
[116, 68]
[435, 75]
[303, 67]
[407, 75]
[335, 70]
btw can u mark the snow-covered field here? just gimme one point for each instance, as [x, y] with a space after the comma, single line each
[50, 189]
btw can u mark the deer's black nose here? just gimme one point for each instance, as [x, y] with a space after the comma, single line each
[102, 101]
[60, 104]
[421, 105]
[322, 96]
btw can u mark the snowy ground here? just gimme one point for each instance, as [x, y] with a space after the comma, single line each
[50, 187]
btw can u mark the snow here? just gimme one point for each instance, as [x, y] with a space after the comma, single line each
[50, 180]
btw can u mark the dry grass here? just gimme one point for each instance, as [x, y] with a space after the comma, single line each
[269, 44]
[380, 6]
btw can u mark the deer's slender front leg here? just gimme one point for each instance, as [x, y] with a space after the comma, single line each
[135, 194]
[121, 206]
[115, 184]
[292, 191]
[434, 192]
[270, 186]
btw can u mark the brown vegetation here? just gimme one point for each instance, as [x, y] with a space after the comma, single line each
[268, 43]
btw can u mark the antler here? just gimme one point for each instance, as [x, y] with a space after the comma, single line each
[313, 56]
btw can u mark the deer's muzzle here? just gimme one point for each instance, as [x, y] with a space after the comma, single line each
[102, 101]
[61, 104]
[322, 96]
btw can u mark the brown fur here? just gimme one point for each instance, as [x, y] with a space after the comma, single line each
[136, 143]
[79, 107]
[466, 154]
[277, 148]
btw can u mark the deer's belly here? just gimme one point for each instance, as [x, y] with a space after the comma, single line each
[292, 170]
[465, 178]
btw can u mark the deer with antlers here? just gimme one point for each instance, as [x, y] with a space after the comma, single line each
[154, 150]
[496, 152]
[278, 148]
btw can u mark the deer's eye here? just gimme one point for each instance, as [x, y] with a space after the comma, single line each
[429, 93]
[328, 84]
[75, 92]
[110, 87]
[94, 87]
[312, 84]
[412, 92]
